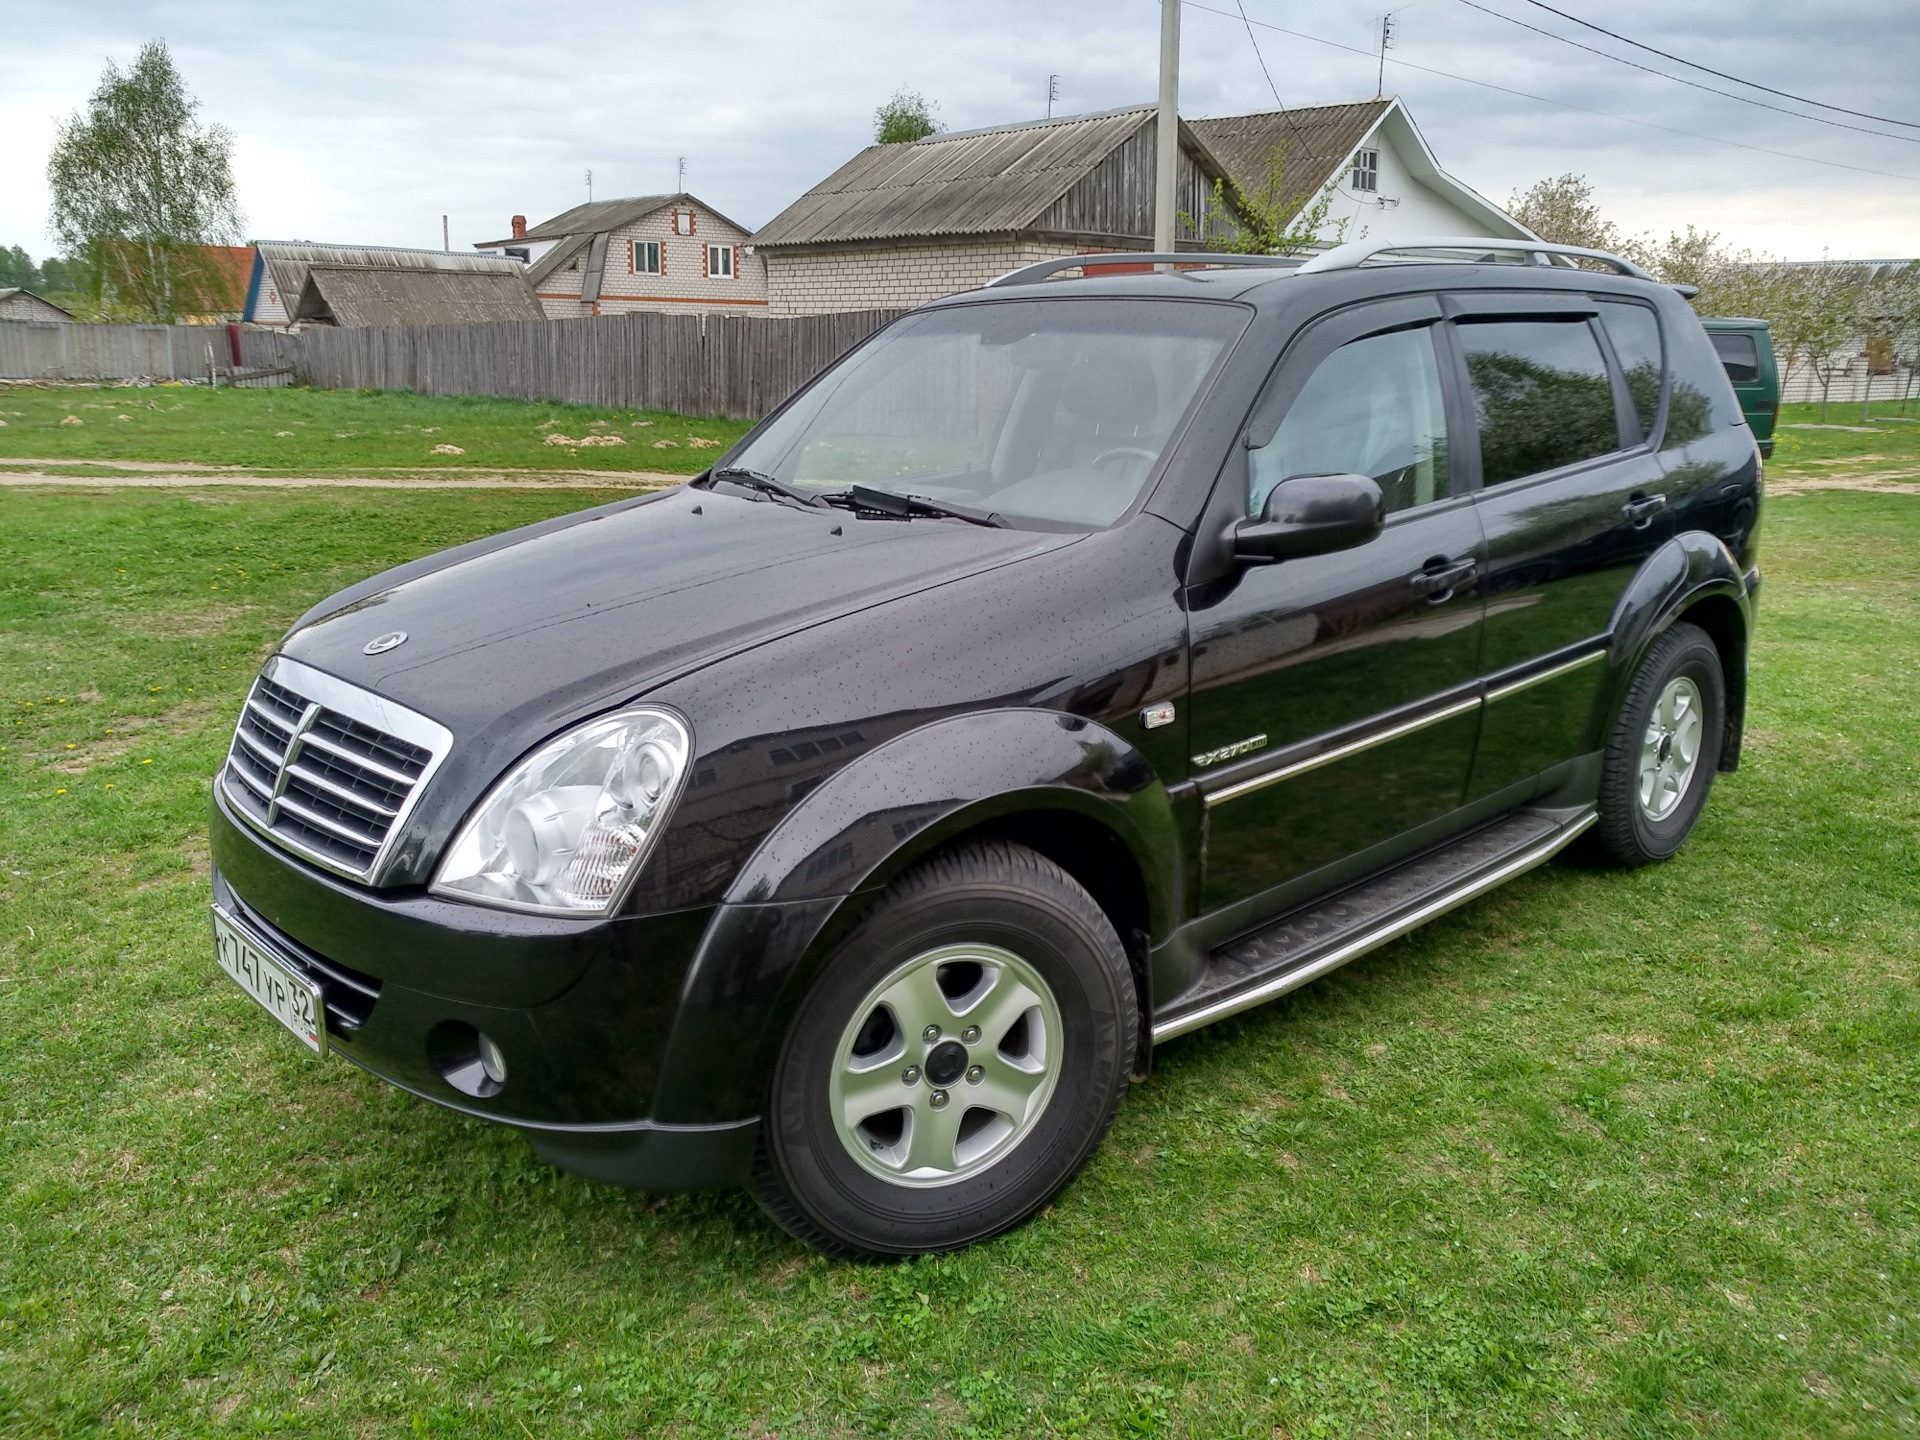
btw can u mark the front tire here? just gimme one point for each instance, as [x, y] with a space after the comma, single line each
[956, 1062]
[1665, 747]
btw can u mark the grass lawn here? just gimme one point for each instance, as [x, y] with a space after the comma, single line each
[313, 432]
[1600, 1155]
[1884, 442]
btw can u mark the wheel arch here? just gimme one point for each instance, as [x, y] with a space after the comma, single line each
[1068, 788]
[1692, 578]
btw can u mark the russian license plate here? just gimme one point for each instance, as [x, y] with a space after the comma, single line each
[291, 999]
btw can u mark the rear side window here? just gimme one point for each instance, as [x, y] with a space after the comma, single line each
[1738, 354]
[1541, 395]
[1635, 334]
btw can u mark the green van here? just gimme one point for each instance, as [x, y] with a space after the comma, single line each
[1745, 348]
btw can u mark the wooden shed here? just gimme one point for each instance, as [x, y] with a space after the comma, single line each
[375, 285]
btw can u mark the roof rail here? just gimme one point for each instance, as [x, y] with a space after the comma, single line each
[1029, 274]
[1538, 252]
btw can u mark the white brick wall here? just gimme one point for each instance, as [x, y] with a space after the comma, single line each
[819, 282]
[682, 287]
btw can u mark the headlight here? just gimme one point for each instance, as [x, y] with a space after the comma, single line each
[567, 828]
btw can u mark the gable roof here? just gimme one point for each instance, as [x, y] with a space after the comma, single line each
[287, 263]
[421, 295]
[976, 182]
[1318, 140]
[1315, 141]
[26, 300]
[573, 230]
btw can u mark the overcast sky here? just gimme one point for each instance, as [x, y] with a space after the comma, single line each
[364, 122]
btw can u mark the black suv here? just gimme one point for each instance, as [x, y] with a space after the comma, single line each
[1074, 663]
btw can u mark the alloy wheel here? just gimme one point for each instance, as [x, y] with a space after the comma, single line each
[946, 1065]
[1670, 750]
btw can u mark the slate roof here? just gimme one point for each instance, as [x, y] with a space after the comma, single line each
[573, 230]
[19, 303]
[352, 295]
[1315, 140]
[288, 263]
[975, 182]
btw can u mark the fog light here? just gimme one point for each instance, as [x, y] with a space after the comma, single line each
[468, 1060]
[491, 1060]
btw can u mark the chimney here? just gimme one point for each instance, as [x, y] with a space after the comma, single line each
[519, 227]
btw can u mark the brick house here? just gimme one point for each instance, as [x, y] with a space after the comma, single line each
[647, 252]
[899, 225]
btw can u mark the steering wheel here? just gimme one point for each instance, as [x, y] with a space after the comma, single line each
[1147, 455]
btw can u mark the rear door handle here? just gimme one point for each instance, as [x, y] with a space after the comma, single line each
[1439, 579]
[1640, 510]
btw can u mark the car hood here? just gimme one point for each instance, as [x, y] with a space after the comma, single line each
[513, 637]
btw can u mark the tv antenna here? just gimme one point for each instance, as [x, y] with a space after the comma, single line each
[1053, 93]
[1386, 40]
[589, 187]
[681, 185]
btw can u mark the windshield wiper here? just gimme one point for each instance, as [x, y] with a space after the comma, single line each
[906, 507]
[766, 484]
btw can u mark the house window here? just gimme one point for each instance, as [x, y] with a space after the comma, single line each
[646, 257]
[683, 222]
[1366, 170]
[720, 261]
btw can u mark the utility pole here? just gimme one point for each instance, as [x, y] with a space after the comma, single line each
[1166, 170]
[1053, 93]
[1386, 39]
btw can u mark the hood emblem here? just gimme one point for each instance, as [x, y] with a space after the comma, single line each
[380, 644]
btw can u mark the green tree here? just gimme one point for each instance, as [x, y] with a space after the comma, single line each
[906, 117]
[17, 268]
[139, 185]
[1276, 218]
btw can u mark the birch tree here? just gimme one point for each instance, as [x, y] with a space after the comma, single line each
[139, 185]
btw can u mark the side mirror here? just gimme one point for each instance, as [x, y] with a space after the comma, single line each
[1311, 515]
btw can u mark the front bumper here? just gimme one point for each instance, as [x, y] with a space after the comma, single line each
[580, 1009]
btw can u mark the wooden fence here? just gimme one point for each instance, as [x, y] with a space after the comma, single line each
[36, 350]
[734, 365]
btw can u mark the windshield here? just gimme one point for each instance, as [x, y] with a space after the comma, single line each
[1046, 410]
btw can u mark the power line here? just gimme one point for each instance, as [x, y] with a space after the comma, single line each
[1258, 56]
[1682, 80]
[1709, 70]
[1563, 104]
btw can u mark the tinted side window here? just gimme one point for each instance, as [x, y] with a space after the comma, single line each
[1738, 354]
[1635, 334]
[1373, 407]
[1541, 395]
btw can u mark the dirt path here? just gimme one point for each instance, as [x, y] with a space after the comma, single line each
[148, 474]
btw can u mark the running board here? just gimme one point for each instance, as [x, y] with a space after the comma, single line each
[1328, 933]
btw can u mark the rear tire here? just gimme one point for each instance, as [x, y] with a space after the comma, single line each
[956, 1062]
[1659, 764]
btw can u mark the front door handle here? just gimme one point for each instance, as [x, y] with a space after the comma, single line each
[1640, 509]
[1439, 578]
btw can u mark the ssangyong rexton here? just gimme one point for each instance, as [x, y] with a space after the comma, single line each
[1074, 663]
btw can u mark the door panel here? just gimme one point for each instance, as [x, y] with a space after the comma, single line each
[1570, 513]
[1319, 684]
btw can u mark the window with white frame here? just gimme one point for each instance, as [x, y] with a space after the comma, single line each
[683, 222]
[1366, 170]
[646, 257]
[720, 261]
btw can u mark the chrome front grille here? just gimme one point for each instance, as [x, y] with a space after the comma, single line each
[329, 770]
